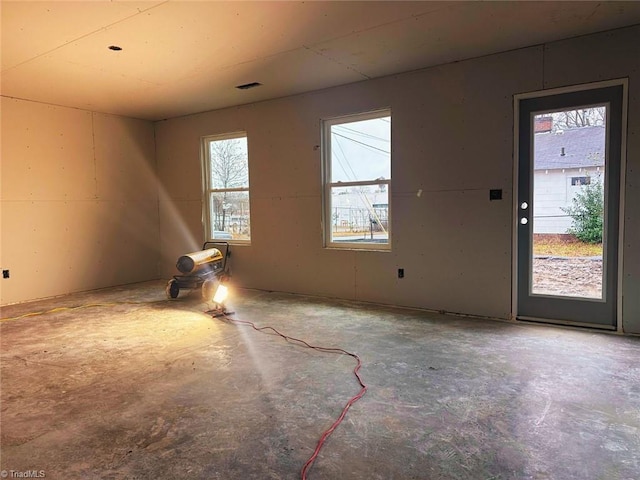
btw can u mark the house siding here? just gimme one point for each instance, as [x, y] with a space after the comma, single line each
[553, 193]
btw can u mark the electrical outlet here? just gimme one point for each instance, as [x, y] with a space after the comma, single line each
[401, 273]
[5, 273]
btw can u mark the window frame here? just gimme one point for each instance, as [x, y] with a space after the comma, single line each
[329, 185]
[208, 190]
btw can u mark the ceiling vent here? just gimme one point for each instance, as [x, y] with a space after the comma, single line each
[247, 86]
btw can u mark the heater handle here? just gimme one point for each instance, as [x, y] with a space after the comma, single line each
[226, 254]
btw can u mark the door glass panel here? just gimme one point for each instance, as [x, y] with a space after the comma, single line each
[568, 202]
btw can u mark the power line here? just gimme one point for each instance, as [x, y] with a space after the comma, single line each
[364, 134]
[361, 143]
[346, 161]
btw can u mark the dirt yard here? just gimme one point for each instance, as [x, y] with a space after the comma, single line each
[577, 276]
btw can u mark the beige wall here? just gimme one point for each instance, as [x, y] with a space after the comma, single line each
[79, 201]
[81, 207]
[452, 242]
[600, 57]
[452, 139]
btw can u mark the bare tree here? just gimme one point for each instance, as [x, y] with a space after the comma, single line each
[229, 169]
[582, 117]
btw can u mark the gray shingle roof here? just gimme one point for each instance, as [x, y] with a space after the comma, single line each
[583, 147]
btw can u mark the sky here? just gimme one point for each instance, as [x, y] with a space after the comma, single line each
[361, 150]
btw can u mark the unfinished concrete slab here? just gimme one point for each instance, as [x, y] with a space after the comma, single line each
[156, 388]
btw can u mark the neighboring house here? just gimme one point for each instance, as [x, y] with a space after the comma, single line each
[360, 209]
[563, 161]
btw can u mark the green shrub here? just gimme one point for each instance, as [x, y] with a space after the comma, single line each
[587, 213]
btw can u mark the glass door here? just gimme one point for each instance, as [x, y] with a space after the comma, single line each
[568, 204]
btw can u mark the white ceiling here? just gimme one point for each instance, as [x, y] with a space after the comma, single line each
[182, 57]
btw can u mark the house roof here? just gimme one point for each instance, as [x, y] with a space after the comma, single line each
[573, 148]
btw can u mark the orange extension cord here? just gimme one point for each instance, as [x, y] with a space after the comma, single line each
[339, 351]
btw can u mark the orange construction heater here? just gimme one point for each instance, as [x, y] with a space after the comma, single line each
[204, 269]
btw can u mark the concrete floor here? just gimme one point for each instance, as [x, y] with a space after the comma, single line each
[160, 390]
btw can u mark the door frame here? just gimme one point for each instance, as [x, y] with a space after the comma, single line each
[624, 82]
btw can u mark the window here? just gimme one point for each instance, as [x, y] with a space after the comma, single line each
[580, 181]
[226, 187]
[357, 181]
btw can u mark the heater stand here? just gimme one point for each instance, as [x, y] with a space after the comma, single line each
[219, 311]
